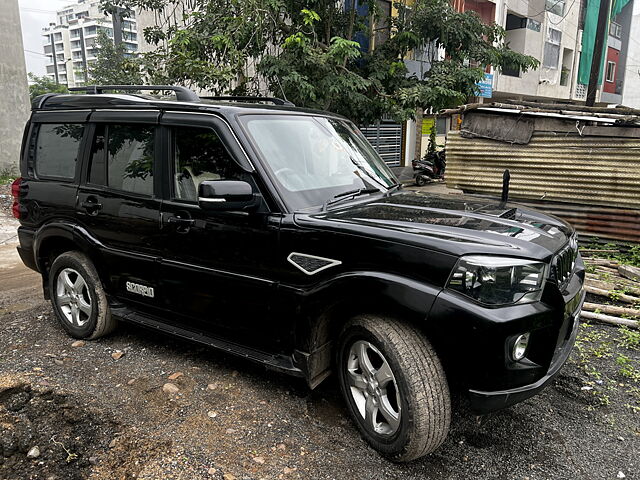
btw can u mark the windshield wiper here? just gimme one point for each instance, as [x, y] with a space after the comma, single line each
[393, 188]
[348, 195]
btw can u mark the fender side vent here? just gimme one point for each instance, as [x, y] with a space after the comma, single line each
[310, 264]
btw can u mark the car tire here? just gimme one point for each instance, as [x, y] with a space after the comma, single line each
[77, 297]
[398, 395]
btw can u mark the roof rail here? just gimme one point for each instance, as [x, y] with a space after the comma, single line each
[231, 98]
[183, 94]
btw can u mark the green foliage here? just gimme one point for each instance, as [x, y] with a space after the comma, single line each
[7, 175]
[113, 65]
[627, 368]
[306, 51]
[629, 338]
[627, 254]
[42, 85]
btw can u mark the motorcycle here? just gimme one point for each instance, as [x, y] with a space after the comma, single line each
[429, 168]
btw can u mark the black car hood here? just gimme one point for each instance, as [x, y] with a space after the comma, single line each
[455, 224]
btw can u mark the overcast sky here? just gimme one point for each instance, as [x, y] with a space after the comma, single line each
[34, 15]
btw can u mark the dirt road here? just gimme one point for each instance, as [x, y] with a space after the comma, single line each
[102, 410]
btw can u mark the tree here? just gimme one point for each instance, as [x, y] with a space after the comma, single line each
[41, 85]
[113, 64]
[325, 54]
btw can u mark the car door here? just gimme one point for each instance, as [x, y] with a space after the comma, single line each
[118, 205]
[217, 268]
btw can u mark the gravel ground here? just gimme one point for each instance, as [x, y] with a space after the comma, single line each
[104, 410]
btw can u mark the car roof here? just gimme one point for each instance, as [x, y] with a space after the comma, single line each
[54, 102]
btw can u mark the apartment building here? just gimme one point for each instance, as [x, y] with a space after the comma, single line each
[552, 31]
[70, 41]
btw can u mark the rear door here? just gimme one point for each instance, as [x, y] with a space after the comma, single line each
[119, 205]
[53, 159]
[218, 267]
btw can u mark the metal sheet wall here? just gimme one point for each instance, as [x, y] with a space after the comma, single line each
[591, 182]
[557, 167]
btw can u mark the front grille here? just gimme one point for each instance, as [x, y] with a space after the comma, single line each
[565, 262]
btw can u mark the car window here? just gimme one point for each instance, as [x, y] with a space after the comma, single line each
[200, 155]
[122, 157]
[57, 149]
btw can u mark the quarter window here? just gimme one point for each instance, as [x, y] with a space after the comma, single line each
[122, 158]
[200, 155]
[57, 149]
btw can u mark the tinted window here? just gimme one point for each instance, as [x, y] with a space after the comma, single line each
[57, 149]
[200, 155]
[127, 161]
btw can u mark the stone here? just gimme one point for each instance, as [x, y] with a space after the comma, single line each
[175, 376]
[113, 443]
[621, 475]
[228, 476]
[117, 355]
[131, 382]
[212, 471]
[288, 470]
[229, 431]
[78, 344]
[58, 362]
[212, 386]
[281, 446]
[170, 388]
[93, 460]
[34, 452]
[211, 414]
[259, 460]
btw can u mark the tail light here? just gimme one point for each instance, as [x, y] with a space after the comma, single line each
[15, 193]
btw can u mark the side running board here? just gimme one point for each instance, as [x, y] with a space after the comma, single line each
[281, 363]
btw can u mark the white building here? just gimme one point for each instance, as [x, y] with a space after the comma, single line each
[631, 88]
[70, 42]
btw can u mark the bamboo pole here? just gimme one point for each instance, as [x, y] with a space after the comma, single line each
[609, 319]
[609, 294]
[611, 309]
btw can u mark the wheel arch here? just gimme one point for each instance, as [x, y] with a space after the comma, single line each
[53, 239]
[327, 308]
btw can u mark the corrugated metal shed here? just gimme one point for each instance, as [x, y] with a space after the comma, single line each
[583, 166]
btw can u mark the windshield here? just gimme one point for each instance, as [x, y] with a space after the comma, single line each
[313, 159]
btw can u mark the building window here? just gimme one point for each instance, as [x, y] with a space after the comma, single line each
[551, 53]
[615, 30]
[515, 22]
[611, 72]
[555, 6]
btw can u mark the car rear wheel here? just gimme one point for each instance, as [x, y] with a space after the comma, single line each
[78, 298]
[394, 387]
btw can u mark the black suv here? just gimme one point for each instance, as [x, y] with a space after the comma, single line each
[279, 235]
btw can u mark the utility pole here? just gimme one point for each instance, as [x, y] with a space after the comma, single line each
[602, 33]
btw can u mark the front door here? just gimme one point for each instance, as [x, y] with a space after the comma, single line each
[118, 205]
[217, 268]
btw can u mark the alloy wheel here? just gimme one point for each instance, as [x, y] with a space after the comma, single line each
[72, 297]
[374, 388]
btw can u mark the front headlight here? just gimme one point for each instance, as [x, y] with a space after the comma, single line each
[499, 280]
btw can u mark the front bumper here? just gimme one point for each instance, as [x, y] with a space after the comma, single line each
[488, 401]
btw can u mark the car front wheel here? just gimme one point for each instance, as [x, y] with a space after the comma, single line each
[394, 386]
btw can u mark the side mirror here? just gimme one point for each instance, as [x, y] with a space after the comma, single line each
[226, 195]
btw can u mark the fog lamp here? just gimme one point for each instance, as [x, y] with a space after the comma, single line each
[520, 346]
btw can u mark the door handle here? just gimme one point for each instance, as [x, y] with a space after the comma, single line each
[182, 223]
[91, 205]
